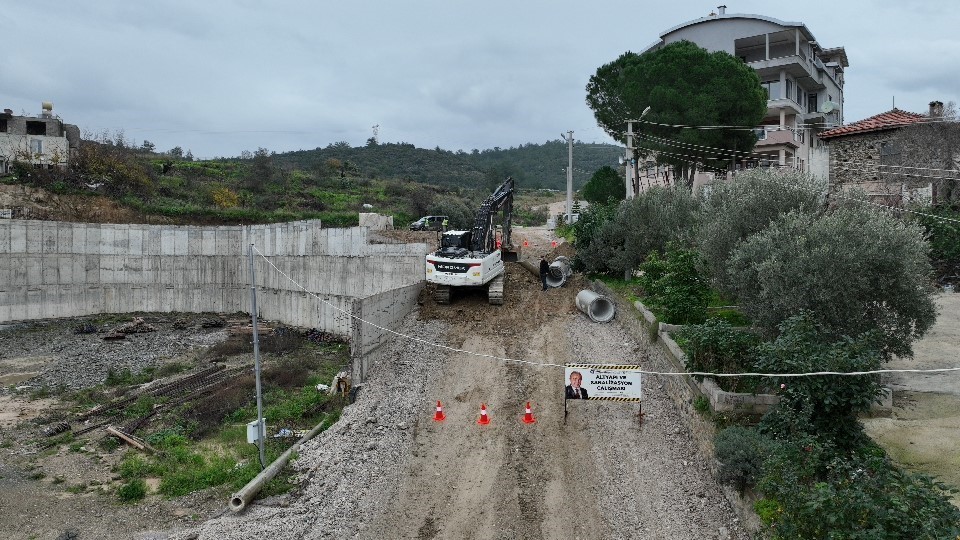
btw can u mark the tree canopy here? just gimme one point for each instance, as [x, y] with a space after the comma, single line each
[855, 270]
[605, 185]
[683, 84]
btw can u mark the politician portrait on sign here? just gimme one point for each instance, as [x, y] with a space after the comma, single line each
[574, 390]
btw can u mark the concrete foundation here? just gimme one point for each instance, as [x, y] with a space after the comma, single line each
[55, 269]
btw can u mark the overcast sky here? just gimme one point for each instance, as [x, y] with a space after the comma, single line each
[219, 77]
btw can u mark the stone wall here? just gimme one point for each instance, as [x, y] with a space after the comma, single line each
[854, 164]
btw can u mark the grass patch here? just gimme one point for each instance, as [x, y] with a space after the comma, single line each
[124, 377]
[202, 444]
[132, 491]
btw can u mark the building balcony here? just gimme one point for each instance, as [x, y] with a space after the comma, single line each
[782, 137]
[808, 72]
[774, 106]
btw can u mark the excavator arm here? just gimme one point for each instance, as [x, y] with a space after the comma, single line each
[482, 236]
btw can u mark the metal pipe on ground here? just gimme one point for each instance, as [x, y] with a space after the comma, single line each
[598, 307]
[240, 499]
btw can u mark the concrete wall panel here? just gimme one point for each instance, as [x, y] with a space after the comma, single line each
[57, 269]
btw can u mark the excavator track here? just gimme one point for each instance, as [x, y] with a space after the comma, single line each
[495, 291]
[441, 294]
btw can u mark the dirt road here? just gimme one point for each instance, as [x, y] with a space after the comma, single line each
[387, 470]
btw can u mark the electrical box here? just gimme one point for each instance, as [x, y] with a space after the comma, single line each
[253, 430]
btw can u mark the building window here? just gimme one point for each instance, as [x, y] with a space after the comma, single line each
[812, 102]
[36, 146]
[789, 89]
[773, 89]
[36, 128]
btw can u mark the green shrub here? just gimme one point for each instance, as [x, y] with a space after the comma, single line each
[826, 406]
[741, 452]
[736, 210]
[616, 239]
[944, 236]
[702, 404]
[674, 287]
[813, 491]
[717, 347]
[132, 491]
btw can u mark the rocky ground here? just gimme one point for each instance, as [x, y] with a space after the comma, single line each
[63, 491]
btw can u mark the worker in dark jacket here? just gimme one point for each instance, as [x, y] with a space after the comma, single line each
[544, 270]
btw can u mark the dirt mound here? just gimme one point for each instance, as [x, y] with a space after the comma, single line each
[32, 203]
[526, 307]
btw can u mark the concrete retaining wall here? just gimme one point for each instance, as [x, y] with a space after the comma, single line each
[55, 269]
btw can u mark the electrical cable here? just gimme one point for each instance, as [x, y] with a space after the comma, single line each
[732, 153]
[547, 364]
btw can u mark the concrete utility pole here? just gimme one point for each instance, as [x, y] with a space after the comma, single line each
[261, 428]
[569, 138]
[630, 174]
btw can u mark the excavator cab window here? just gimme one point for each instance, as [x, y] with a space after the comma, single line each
[455, 239]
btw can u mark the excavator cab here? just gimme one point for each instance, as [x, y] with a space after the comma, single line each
[454, 244]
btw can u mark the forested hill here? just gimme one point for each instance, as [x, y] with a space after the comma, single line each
[531, 165]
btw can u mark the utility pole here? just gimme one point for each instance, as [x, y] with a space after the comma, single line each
[569, 138]
[628, 163]
[261, 428]
[633, 166]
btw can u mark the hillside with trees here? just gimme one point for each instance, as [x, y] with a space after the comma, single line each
[333, 184]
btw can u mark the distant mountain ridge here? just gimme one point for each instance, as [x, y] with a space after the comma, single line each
[531, 165]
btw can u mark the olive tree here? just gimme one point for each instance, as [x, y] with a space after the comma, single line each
[647, 223]
[735, 210]
[855, 270]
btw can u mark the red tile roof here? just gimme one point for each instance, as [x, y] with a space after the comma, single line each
[889, 120]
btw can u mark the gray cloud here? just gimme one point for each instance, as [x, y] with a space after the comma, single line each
[223, 76]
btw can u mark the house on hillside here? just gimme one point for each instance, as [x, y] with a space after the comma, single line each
[897, 157]
[44, 141]
[804, 81]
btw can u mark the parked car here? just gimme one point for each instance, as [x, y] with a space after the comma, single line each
[428, 223]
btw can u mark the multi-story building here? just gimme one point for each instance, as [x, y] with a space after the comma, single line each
[804, 81]
[44, 141]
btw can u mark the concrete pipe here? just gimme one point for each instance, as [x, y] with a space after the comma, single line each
[560, 271]
[599, 308]
[240, 499]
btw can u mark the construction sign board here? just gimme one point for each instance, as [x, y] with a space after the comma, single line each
[602, 381]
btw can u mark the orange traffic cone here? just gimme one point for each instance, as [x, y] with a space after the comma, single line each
[484, 418]
[439, 416]
[528, 415]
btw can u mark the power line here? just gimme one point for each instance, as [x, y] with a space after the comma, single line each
[548, 364]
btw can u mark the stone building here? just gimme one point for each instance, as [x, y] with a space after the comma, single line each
[896, 157]
[44, 141]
